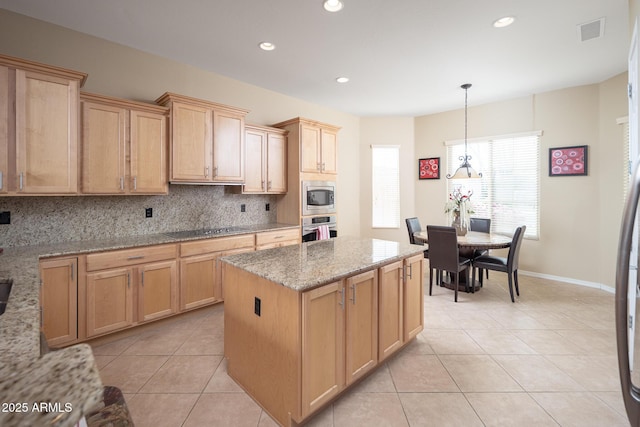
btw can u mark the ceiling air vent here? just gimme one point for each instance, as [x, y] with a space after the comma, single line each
[591, 30]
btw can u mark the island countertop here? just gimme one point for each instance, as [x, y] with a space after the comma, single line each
[308, 265]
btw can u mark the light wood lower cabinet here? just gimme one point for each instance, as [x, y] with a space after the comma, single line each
[278, 238]
[200, 279]
[400, 301]
[313, 345]
[339, 337]
[134, 287]
[59, 300]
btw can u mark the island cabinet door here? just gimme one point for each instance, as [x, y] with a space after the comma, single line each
[361, 324]
[413, 296]
[322, 345]
[390, 303]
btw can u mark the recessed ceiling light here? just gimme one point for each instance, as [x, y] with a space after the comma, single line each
[267, 46]
[504, 22]
[333, 5]
[342, 79]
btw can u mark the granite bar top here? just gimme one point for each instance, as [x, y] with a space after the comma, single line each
[68, 377]
[308, 265]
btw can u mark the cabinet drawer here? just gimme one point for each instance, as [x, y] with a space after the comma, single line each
[277, 236]
[128, 257]
[200, 247]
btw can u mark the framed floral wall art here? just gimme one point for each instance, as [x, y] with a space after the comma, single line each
[568, 161]
[429, 168]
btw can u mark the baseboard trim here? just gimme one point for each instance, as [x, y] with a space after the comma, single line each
[569, 280]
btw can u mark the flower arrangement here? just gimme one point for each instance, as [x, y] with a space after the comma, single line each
[459, 208]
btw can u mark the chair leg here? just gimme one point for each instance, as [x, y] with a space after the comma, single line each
[431, 279]
[473, 279]
[515, 281]
[455, 298]
[511, 287]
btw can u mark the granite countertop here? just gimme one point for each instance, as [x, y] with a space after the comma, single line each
[63, 377]
[312, 264]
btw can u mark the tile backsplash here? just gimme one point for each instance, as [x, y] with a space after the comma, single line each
[43, 220]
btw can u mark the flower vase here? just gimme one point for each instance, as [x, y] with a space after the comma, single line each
[461, 229]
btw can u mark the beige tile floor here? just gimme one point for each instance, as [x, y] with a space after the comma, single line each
[547, 360]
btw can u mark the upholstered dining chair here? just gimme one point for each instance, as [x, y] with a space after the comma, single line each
[507, 265]
[444, 255]
[481, 225]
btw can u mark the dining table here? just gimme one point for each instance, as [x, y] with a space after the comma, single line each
[468, 244]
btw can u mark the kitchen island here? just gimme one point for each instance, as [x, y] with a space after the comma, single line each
[305, 322]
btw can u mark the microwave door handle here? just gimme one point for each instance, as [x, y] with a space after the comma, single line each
[630, 392]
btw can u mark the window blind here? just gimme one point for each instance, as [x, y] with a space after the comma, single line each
[509, 191]
[385, 166]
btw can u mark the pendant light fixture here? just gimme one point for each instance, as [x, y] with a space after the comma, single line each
[465, 171]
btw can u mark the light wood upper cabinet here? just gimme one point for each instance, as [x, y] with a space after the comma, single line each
[59, 300]
[318, 144]
[266, 160]
[207, 141]
[124, 146]
[39, 137]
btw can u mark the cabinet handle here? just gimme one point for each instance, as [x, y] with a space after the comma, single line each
[323, 166]
[353, 290]
[122, 183]
[21, 180]
[135, 183]
[206, 171]
[215, 171]
[129, 280]
[142, 279]
[341, 298]
[73, 268]
[410, 271]
[1, 181]
[268, 185]
[131, 258]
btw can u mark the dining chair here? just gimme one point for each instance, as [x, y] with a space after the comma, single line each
[444, 255]
[481, 225]
[413, 226]
[507, 265]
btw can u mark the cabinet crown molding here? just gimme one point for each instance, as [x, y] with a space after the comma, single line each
[124, 103]
[168, 97]
[37, 67]
[302, 120]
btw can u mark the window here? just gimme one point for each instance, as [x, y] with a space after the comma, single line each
[385, 166]
[509, 191]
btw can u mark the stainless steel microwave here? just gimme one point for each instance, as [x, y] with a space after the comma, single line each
[318, 197]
